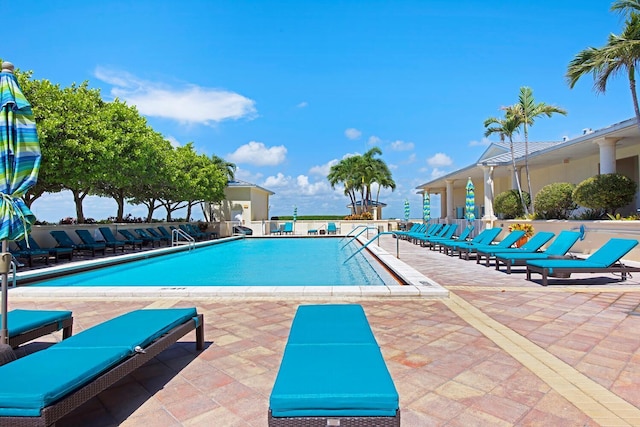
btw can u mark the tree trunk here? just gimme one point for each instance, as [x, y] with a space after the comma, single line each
[634, 95]
[513, 161]
[526, 168]
[78, 197]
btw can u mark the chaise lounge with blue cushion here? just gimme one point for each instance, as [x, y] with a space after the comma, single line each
[558, 248]
[604, 260]
[27, 325]
[435, 242]
[42, 387]
[56, 253]
[465, 250]
[532, 245]
[485, 237]
[332, 372]
[65, 241]
[109, 237]
[87, 239]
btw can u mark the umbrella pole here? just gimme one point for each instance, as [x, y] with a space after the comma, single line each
[5, 263]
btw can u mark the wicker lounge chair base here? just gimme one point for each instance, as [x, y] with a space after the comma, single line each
[53, 322]
[54, 412]
[335, 421]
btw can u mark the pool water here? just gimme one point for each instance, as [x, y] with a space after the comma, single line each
[243, 262]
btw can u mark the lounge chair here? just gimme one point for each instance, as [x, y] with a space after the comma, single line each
[65, 241]
[193, 233]
[157, 235]
[28, 325]
[424, 231]
[127, 234]
[274, 228]
[332, 228]
[604, 260]
[146, 237]
[87, 239]
[332, 372]
[446, 232]
[435, 242]
[166, 233]
[31, 254]
[206, 235]
[558, 248]
[534, 244]
[56, 253]
[465, 250]
[287, 228]
[42, 387]
[110, 238]
[485, 237]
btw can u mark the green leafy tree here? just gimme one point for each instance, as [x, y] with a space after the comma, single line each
[509, 204]
[555, 201]
[619, 55]
[607, 192]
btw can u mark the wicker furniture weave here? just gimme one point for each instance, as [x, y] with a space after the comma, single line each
[53, 413]
[66, 325]
[335, 421]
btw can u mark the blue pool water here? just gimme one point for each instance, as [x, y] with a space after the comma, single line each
[244, 262]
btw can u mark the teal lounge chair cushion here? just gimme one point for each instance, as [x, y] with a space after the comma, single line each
[40, 379]
[331, 324]
[21, 321]
[333, 380]
[34, 382]
[136, 328]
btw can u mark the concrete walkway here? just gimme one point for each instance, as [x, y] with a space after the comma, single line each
[499, 351]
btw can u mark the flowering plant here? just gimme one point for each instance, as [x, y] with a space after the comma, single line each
[527, 228]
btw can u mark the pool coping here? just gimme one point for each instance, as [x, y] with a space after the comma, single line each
[417, 284]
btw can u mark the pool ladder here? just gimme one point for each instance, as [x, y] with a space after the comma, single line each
[180, 237]
[377, 236]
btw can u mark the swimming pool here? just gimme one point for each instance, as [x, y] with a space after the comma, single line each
[242, 262]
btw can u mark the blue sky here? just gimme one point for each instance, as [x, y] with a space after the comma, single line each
[284, 89]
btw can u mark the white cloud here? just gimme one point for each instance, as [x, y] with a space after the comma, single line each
[277, 181]
[437, 173]
[311, 189]
[190, 104]
[256, 153]
[174, 142]
[374, 140]
[352, 133]
[303, 104]
[439, 159]
[323, 170]
[482, 143]
[402, 145]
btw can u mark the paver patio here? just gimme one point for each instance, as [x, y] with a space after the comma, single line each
[499, 351]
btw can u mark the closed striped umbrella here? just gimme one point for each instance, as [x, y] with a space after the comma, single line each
[407, 210]
[470, 202]
[295, 213]
[426, 207]
[19, 166]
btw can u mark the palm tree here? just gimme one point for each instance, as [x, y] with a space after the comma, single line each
[529, 110]
[620, 54]
[626, 6]
[228, 168]
[506, 128]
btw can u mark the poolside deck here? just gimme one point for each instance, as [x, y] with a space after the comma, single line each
[499, 351]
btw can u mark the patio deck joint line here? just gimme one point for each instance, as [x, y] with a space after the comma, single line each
[591, 398]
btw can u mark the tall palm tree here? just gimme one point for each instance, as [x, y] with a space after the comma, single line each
[626, 6]
[228, 168]
[529, 111]
[506, 128]
[620, 54]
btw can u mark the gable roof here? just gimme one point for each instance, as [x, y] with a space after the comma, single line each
[239, 184]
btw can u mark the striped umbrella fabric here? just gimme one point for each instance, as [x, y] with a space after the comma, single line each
[407, 210]
[470, 202]
[19, 166]
[19, 157]
[426, 207]
[295, 213]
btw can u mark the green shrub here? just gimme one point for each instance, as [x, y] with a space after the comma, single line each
[554, 201]
[508, 204]
[607, 192]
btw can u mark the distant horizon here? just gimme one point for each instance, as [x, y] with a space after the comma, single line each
[287, 89]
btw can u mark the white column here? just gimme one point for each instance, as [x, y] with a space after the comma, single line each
[488, 194]
[607, 155]
[451, 209]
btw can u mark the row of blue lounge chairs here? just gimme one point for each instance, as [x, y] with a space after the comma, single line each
[134, 239]
[554, 261]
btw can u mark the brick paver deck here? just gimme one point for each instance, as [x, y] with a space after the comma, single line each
[499, 351]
